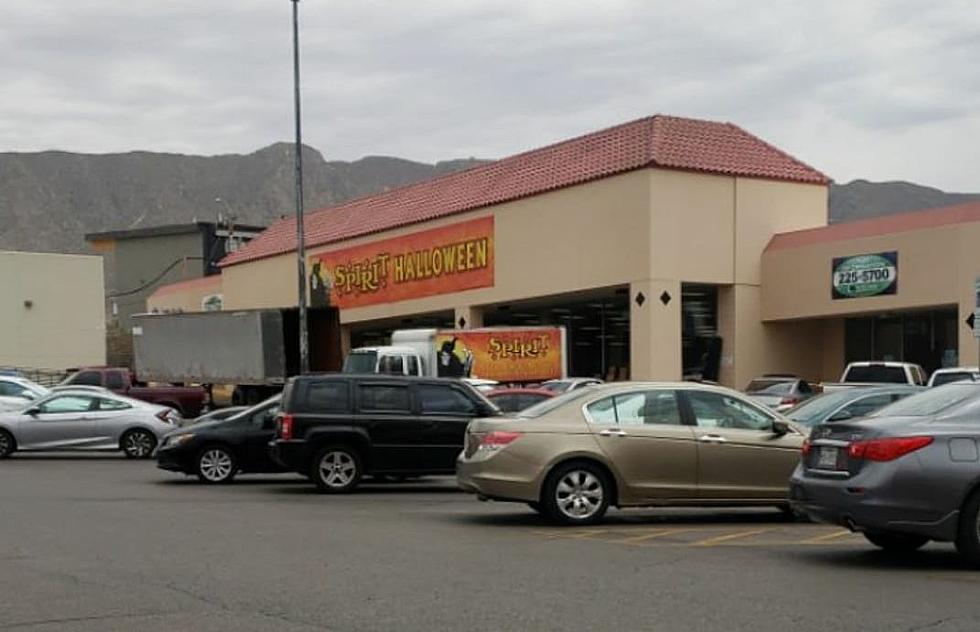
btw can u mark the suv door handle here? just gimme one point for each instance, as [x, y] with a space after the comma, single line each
[612, 433]
[712, 438]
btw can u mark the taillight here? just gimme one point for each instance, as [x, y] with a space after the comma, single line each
[286, 427]
[887, 449]
[493, 441]
[805, 448]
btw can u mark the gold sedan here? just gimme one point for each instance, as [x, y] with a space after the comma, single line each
[629, 445]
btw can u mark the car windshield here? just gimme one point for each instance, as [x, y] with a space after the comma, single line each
[361, 362]
[248, 412]
[769, 387]
[952, 376]
[932, 401]
[813, 410]
[876, 373]
[549, 405]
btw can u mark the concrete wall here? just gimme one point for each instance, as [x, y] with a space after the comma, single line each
[63, 325]
[136, 262]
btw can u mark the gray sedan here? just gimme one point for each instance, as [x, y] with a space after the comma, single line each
[86, 420]
[849, 403]
[908, 474]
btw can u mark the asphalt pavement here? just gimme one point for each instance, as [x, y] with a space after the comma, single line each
[103, 544]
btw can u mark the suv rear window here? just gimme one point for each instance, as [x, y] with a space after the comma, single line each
[86, 378]
[879, 374]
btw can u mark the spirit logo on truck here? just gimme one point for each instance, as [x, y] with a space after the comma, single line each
[531, 354]
[865, 275]
[438, 261]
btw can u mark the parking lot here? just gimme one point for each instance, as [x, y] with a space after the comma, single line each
[102, 543]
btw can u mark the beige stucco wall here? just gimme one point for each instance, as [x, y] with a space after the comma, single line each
[64, 326]
[936, 267]
[650, 229]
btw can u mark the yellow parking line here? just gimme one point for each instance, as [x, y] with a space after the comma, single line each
[731, 536]
[639, 539]
[827, 537]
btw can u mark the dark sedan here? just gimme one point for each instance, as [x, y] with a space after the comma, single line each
[849, 403]
[905, 475]
[216, 451]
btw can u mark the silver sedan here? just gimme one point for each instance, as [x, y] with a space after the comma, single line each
[86, 420]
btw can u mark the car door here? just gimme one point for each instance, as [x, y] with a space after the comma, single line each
[60, 422]
[647, 441]
[252, 435]
[739, 456]
[112, 417]
[397, 435]
[445, 411]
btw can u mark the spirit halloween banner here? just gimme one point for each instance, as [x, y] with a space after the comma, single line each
[530, 354]
[437, 261]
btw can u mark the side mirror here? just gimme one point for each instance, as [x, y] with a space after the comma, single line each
[32, 411]
[780, 427]
[841, 415]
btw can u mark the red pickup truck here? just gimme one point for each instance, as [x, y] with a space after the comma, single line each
[187, 400]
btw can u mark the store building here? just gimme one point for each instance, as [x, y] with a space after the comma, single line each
[645, 240]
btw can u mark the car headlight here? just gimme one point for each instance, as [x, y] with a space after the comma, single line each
[173, 441]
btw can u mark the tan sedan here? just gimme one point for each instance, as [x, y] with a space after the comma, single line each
[633, 444]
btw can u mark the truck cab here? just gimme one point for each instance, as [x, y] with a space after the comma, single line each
[388, 360]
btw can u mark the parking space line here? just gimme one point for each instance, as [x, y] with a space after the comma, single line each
[821, 539]
[639, 539]
[728, 537]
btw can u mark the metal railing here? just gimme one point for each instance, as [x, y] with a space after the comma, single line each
[44, 377]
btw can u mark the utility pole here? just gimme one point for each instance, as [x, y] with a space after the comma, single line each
[304, 340]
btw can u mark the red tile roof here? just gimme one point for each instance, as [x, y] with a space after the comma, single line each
[207, 283]
[657, 141]
[895, 223]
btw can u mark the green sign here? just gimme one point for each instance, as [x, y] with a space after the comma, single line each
[865, 275]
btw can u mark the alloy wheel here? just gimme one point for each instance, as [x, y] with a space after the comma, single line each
[579, 494]
[337, 469]
[215, 465]
[138, 444]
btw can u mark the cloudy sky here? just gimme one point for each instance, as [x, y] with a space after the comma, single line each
[879, 90]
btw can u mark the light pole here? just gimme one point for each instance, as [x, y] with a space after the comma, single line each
[304, 341]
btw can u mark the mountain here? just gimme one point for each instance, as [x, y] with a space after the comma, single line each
[49, 200]
[861, 199]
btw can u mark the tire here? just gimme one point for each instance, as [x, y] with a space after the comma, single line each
[576, 493]
[896, 542]
[215, 465]
[536, 506]
[7, 444]
[336, 469]
[968, 536]
[138, 444]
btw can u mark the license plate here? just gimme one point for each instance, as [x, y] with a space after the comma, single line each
[827, 459]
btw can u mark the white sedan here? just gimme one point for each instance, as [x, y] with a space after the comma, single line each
[17, 392]
[86, 420]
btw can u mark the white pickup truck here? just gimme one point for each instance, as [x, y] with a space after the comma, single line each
[877, 373]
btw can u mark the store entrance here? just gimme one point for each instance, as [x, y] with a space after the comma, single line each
[928, 338]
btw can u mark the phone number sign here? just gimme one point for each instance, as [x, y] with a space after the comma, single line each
[865, 275]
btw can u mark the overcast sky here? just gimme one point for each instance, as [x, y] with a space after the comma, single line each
[879, 90]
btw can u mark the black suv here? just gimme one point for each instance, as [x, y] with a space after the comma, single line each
[335, 428]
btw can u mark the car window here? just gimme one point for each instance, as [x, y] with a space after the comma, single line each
[529, 399]
[876, 373]
[952, 376]
[867, 405]
[384, 397]
[769, 387]
[412, 364]
[391, 365]
[813, 411]
[322, 396]
[114, 380]
[932, 401]
[112, 404]
[634, 409]
[439, 399]
[805, 387]
[259, 418]
[506, 403]
[87, 378]
[718, 410]
[68, 404]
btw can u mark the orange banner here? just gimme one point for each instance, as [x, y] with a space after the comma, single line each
[438, 261]
[533, 354]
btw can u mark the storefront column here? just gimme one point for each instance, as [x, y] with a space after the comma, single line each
[470, 316]
[655, 330]
[344, 340]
